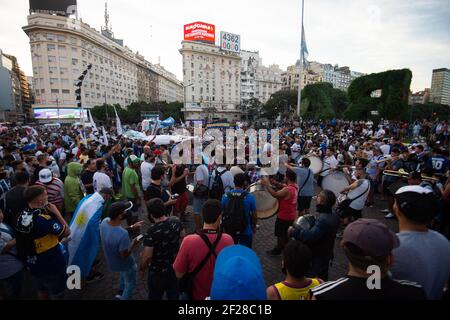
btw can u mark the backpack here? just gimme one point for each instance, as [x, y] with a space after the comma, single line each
[217, 189]
[234, 220]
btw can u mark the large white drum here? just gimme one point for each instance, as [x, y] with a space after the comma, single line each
[266, 205]
[316, 163]
[335, 182]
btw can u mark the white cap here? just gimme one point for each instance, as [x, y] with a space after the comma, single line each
[45, 176]
[415, 189]
[38, 153]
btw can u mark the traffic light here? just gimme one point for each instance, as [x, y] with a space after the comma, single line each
[79, 104]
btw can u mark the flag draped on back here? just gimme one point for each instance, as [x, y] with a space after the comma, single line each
[85, 234]
[118, 124]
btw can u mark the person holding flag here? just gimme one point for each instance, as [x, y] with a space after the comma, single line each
[85, 233]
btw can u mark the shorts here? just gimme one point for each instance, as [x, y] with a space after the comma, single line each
[182, 202]
[198, 205]
[54, 284]
[386, 190]
[303, 203]
[282, 227]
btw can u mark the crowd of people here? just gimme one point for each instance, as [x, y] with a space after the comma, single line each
[47, 175]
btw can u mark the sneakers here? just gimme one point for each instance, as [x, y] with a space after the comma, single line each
[385, 211]
[275, 252]
[95, 277]
[390, 216]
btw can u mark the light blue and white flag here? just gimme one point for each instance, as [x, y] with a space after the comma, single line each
[105, 137]
[85, 233]
[169, 122]
[118, 124]
[304, 49]
[91, 120]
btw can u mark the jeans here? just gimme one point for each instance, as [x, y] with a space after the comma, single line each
[128, 282]
[162, 282]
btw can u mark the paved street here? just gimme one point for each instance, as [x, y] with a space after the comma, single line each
[264, 241]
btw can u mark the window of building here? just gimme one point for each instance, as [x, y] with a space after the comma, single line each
[65, 91]
[62, 60]
[51, 37]
[51, 59]
[51, 47]
[61, 38]
[55, 91]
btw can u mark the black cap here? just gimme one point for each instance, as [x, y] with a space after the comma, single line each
[118, 208]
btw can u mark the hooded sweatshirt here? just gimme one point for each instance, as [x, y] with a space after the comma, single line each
[72, 190]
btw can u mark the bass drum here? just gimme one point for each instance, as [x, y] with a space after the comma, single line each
[266, 205]
[316, 163]
[335, 182]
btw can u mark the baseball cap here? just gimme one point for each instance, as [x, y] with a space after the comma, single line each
[38, 153]
[45, 176]
[372, 237]
[417, 203]
[238, 275]
[120, 207]
[133, 159]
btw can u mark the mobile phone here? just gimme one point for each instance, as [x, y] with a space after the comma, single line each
[140, 237]
[175, 196]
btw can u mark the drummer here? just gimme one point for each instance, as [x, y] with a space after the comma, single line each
[305, 181]
[329, 163]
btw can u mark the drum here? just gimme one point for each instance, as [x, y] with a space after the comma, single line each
[236, 170]
[316, 163]
[335, 182]
[266, 205]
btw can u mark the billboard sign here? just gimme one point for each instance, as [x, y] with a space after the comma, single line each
[200, 31]
[230, 42]
[58, 114]
[59, 7]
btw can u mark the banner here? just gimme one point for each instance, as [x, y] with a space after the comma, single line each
[118, 124]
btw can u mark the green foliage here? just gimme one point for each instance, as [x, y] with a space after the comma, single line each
[132, 113]
[393, 103]
[281, 102]
[322, 101]
[428, 111]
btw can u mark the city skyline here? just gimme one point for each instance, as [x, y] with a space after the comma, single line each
[368, 36]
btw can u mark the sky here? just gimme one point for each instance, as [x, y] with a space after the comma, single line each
[366, 35]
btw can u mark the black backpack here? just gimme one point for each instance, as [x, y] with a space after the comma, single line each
[217, 189]
[234, 220]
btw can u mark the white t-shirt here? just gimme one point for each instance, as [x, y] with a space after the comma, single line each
[296, 148]
[359, 204]
[329, 163]
[201, 174]
[385, 149]
[146, 173]
[101, 180]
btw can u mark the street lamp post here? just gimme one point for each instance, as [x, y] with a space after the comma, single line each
[185, 98]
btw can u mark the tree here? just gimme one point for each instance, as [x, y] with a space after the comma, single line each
[254, 109]
[281, 102]
[393, 103]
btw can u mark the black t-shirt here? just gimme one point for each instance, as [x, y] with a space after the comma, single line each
[88, 178]
[352, 288]
[15, 204]
[164, 237]
[156, 192]
[179, 187]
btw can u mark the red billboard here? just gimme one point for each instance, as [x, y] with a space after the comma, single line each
[200, 31]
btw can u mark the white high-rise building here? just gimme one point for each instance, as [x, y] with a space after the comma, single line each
[63, 47]
[268, 81]
[212, 80]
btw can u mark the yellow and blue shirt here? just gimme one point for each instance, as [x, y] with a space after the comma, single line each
[288, 292]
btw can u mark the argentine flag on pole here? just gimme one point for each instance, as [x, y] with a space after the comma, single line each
[85, 234]
[304, 49]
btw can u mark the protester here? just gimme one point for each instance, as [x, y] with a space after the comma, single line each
[239, 213]
[305, 180]
[131, 187]
[101, 179]
[287, 213]
[14, 201]
[297, 259]
[118, 248]
[198, 252]
[54, 187]
[414, 208]
[72, 188]
[201, 192]
[238, 276]
[368, 245]
[39, 229]
[161, 245]
[321, 236]
[88, 176]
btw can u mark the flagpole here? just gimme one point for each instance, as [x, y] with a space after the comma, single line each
[301, 65]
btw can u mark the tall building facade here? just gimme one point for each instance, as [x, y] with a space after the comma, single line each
[421, 97]
[290, 78]
[11, 98]
[170, 89]
[212, 82]
[268, 81]
[440, 86]
[249, 65]
[63, 47]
